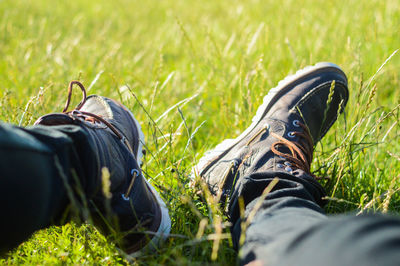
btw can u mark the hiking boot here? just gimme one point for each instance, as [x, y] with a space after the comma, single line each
[130, 203]
[294, 116]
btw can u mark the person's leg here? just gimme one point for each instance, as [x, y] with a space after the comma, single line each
[60, 164]
[35, 168]
[275, 219]
[289, 228]
[267, 168]
[347, 240]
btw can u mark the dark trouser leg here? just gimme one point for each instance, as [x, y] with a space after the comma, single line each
[35, 165]
[291, 229]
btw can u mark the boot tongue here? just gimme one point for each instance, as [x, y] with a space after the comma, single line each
[110, 111]
[281, 139]
[97, 105]
[117, 115]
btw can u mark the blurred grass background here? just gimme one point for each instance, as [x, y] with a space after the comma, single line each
[199, 70]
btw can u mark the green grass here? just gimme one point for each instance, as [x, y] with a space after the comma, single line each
[222, 57]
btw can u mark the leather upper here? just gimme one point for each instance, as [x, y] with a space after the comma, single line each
[307, 100]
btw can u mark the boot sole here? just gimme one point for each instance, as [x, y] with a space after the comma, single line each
[274, 94]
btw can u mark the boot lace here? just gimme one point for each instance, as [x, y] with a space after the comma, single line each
[93, 118]
[87, 116]
[300, 155]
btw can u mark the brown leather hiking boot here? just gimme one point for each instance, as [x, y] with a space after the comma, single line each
[117, 140]
[293, 117]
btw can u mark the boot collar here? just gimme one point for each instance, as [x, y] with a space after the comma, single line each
[76, 116]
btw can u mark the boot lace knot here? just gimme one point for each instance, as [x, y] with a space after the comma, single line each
[299, 155]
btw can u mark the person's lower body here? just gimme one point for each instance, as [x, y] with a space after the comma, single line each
[282, 222]
[290, 228]
[49, 174]
[35, 169]
[85, 161]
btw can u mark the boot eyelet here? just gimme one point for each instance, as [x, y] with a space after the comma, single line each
[134, 171]
[279, 165]
[287, 164]
[124, 198]
[76, 112]
[288, 169]
[296, 123]
[291, 135]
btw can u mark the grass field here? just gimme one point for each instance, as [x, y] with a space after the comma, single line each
[198, 70]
